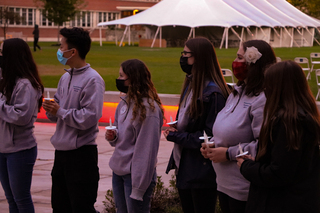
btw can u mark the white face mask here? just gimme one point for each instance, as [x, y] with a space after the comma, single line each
[60, 57]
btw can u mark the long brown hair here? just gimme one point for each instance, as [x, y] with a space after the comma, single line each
[287, 92]
[255, 77]
[205, 67]
[18, 63]
[140, 87]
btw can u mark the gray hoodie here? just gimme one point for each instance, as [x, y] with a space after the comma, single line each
[80, 96]
[238, 122]
[17, 118]
[136, 146]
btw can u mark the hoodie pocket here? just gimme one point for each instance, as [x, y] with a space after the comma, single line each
[6, 139]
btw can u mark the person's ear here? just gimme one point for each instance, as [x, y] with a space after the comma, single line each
[74, 51]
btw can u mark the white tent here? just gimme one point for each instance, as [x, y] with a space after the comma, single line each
[226, 14]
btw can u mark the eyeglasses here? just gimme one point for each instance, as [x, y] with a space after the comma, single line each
[183, 53]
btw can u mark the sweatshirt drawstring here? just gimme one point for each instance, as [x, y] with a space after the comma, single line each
[71, 73]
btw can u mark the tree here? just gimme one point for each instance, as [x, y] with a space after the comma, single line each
[60, 11]
[310, 7]
[8, 16]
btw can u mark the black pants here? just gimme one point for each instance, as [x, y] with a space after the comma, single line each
[231, 205]
[35, 44]
[75, 177]
[198, 200]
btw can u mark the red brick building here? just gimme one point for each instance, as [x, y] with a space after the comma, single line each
[96, 11]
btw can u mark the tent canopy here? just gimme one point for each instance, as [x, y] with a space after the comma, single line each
[228, 14]
[222, 13]
[188, 13]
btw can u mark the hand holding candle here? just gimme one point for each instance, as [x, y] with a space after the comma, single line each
[110, 127]
[172, 122]
[206, 139]
[48, 97]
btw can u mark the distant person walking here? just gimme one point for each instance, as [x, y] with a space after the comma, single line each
[36, 38]
[20, 100]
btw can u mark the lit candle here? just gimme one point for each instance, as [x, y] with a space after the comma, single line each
[110, 122]
[48, 94]
[171, 119]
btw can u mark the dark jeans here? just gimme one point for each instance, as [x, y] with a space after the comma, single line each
[75, 177]
[122, 187]
[15, 176]
[35, 44]
[198, 200]
[231, 205]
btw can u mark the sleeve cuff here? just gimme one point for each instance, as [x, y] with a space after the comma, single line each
[137, 194]
[60, 113]
[233, 151]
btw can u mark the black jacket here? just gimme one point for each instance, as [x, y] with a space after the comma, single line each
[283, 180]
[194, 170]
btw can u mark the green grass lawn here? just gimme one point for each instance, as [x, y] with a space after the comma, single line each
[163, 63]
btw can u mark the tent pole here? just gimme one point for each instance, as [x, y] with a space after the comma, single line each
[155, 36]
[291, 36]
[124, 33]
[189, 36]
[115, 35]
[276, 32]
[242, 32]
[265, 35]
[227, 37]
[281, 33]
[129, 34]
[234, 32]
[223, 37]
[100, 34]
[249, 31]
[302, 37]
[313, 36]
[160, 37]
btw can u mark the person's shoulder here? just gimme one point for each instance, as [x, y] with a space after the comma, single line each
[210, 89]
[93, 73]
[23, 82]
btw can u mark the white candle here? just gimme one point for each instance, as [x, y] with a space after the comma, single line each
[240, 149]
[110, 122]
[205, 137]
[48, 94]
[171, 119]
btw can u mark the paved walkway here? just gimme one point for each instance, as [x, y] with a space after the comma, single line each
[41, 182]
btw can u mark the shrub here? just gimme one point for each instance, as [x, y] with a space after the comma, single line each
[164, 200]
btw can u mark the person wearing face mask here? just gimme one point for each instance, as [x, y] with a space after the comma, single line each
[238, 124]
[138, 121]
[77, 108]
[203, 95]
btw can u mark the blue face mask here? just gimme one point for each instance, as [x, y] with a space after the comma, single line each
[60, 57]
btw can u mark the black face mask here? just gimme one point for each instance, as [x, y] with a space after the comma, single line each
[120, 85]
[1, 58]
[185, 66]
